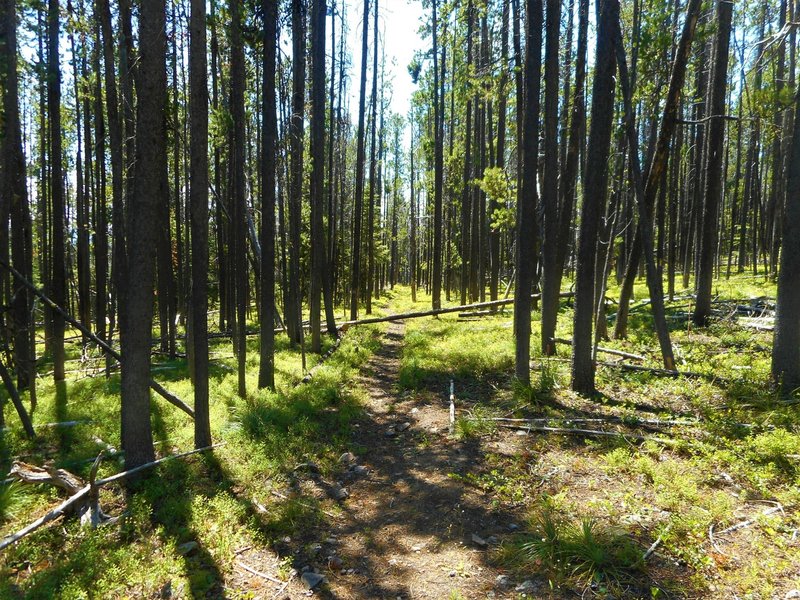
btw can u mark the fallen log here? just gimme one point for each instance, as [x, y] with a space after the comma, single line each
[591, 433]
[154, 385]
[620, 420]
[56, 512]
[658, 371]
[85, 491]
[57, 477]
[308, 376]
[604, 350]
[438, 311]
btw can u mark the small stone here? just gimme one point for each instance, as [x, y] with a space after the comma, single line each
[331, 540]
[166, 590]
[340, 493]
[417, 547]
[315, 548]
[792, 594]
[521, 432]
[503, 581]
[513, 527]
[414, 410]
[335, 563]
[348, 458]
[452, 574]
[359, 470]
[186, 548]
[305, 568]
[527, 587]
[393, 562]
[403, 426]
[311, 579]
[390, 432]
[479, 541]
[492, 539]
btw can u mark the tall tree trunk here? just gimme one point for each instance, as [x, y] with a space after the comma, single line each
[551, 280]
[150, 191]
[660, 155]
[14, 194]
[355, 272]
[526, 207]
[238, 201]
[59, 268]
[438, 168]
[372, 166]
[266, 369]
[786, 344]
[198, 218]
[594, 196]
[713, 166]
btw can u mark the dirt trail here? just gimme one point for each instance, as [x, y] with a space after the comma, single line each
[409, 524]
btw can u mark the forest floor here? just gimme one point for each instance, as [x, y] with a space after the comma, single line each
[354, 482]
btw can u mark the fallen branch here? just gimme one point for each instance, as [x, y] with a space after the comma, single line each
[305, 504]
[656, 544]
[252, 571]
[749, 522]
[633, 422]
[591, 433]
[57, 477]
[90, 488]
[308, 376]
[657, 371]
[56, 512]
[603, 350]
[439, 311]
[157, 387]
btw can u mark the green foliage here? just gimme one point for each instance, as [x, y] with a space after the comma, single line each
[580, 550]
[12, 498]
[498, 187]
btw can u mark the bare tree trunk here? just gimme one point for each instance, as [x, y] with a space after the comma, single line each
[355, 273]
[526, 208]
[137, 438]
[238, 198]
[551, 279]
[583, 368]
[713, 166]
[198, 218]
[58, 281]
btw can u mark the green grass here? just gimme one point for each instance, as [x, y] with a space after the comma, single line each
[214, 501]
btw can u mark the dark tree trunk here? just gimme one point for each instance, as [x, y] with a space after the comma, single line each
[355, 273]
[551, 279]
[438, 169]
[786, 345]
[238, 201]
[198, 218]
[59, 268]
[150, 191]
[526, 207]
[594, 196]
[372, 166]
[713, 167]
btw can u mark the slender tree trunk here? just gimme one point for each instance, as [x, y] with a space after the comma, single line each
[526, 208]
[355, 273]
[713, 166]
[59, 269]
[238, 197]
[583, 368]
[198, 217]
[551, 280]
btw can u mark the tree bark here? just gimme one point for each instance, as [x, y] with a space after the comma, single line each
[713, 167]
[526, 207]
[137, 438]
[594, 197]
[198, 217]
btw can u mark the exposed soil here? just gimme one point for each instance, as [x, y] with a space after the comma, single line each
[409, 524]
